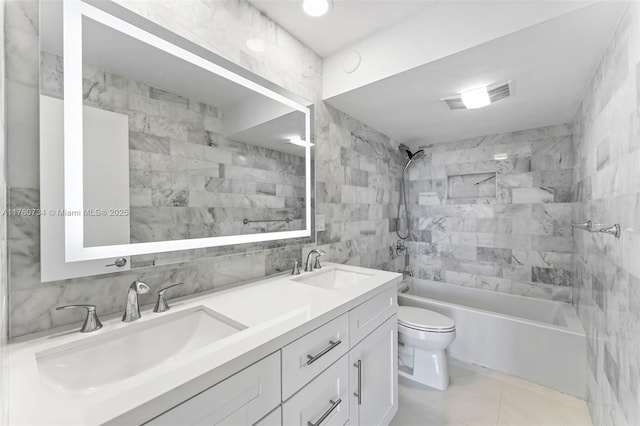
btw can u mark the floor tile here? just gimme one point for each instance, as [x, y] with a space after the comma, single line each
[478, 396]
[520, 406]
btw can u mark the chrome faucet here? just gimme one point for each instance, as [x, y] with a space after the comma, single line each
[91, 322]
[132, 311]
[161, 304]
[308, 267]
[296, 269]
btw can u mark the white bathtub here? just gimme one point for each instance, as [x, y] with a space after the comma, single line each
[538, 340]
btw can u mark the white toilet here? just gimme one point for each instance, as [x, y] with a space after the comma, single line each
[423, 336]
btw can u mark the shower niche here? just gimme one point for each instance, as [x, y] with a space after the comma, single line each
[472, 186]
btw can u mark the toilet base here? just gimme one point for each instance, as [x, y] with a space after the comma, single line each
[430, 368]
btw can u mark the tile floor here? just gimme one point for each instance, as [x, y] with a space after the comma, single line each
[478, 396]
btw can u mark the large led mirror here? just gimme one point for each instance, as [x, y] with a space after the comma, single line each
[166, 145]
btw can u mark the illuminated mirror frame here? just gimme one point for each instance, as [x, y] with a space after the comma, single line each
[73, 12]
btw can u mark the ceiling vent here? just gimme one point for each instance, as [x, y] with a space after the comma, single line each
[495, 91]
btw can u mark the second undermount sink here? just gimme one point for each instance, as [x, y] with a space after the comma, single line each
[333, 278]
[85, 366]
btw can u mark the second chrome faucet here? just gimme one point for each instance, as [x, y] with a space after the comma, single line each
[309, 267]
[132, 310]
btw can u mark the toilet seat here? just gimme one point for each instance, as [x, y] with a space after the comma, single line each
[424, 320]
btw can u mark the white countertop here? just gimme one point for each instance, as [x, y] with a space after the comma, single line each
[276, 311]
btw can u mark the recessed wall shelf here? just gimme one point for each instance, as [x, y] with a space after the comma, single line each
[472, 186]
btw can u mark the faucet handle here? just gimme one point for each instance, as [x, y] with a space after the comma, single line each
[296, 268]
[140, 287]
[91, 322]
[161, 304]
[317, 265]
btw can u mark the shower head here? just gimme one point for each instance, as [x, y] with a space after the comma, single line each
[416, 154]
[413, 156]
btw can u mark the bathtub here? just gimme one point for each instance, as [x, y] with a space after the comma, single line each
[538, 340]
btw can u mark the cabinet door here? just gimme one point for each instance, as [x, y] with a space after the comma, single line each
[242, 399]
[373, 378]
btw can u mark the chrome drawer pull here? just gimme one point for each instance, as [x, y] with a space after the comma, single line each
[358, 394]
[313, 358]
[334, 405]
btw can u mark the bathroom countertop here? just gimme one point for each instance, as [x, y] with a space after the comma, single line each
[276, 311]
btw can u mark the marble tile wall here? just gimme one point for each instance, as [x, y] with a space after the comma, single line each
[357, 190]
[501, 225]
[186, 179]
[607, 191]
[357, 194]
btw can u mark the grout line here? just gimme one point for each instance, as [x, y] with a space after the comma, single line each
[500, 403]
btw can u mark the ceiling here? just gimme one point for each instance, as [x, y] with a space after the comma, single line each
[347, 22]
[550, 64]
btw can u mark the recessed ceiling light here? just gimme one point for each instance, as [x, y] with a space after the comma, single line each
[476, 98]
[496, 92]
[256, 44]
[297, 140]
[315, 7]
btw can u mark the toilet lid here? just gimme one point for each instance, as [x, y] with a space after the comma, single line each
[423, 319]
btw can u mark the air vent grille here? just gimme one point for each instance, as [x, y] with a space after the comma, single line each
[454, 103]
[499, 92]
[496, 93]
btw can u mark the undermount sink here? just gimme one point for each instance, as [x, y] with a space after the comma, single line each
[85, 366]
[333, 278]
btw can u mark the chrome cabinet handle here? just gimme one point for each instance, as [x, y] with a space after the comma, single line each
[334, 405]
[91, 322]
[161, 304]
[358, 394]
[313, 358]
[119, 262]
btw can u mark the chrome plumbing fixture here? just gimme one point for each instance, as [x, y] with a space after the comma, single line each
[603, 229]
[296, 269]
[611, 229]
[308, 267]
[161, 304]
[91, 322]
[132, 310]
[587, 225]
[411, 157]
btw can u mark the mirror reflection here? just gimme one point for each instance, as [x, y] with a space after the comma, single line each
[172, 151]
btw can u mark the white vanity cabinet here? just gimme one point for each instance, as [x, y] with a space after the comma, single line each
[370, 367]
[241, 399]
[374, 376]
[343, 372]
[311, 354]
[324, 401]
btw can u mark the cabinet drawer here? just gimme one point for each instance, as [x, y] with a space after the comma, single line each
[308, 356]
[365, 318]
[242, 399]
[324, 401]
[273, 419]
